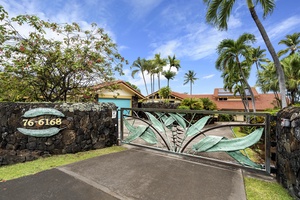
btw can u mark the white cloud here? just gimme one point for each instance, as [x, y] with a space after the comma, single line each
[168, 48]
[141, 8]
[234, 22]
[284, 27]
[208, 76]
[200, 42]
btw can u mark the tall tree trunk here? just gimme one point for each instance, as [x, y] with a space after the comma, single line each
[145, 83]
[244, 100]
[158, 79]
[248, 86]
[279, 70]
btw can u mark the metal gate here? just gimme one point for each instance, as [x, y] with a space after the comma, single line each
[235, 138]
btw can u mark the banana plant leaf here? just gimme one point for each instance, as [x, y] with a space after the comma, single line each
[197, 127]
[242, 159]
[169, 121]
[130, 127]
[135, 132]
[179, 119]
[214, 143]
[149, 136]
[206, 143]
[155, 122]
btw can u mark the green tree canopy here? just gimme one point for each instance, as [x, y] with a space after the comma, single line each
[53, 61]
[234, 56]
[292, 43]
[218, 14]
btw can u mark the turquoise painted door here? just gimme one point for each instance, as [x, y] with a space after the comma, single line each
[120, 103]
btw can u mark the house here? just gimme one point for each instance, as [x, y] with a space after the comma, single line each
[118, 92]
[224, 100]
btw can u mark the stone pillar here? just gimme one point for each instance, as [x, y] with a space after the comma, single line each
[288, 149]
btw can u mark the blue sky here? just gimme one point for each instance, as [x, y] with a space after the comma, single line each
[142, 28]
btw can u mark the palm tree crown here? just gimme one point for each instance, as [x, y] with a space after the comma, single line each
[141, 65]
[190, 77]
[218, 13]
[230, 54]
[292, 42]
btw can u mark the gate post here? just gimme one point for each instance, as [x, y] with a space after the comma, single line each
[288, 149]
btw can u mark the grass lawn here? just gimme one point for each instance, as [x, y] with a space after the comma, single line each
[255, 189]
[264, 190]
[23, 169]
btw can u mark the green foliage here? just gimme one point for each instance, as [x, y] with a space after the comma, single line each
[192, 103]
[165, 92]
[208, 104]
[197, 104]
[43, 68]
[183, 107]
[225, 118]
[134, 86]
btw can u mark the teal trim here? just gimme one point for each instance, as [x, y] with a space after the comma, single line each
[39, 132]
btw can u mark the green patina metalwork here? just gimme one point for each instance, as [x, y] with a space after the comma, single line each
[36, 112]
[182, 130]
[42, 111]
[40, 132]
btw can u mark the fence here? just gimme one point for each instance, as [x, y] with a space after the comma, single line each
[234, 138]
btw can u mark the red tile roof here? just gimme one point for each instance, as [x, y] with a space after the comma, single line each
[262, 101]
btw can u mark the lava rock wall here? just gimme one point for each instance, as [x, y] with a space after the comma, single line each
[81, 127]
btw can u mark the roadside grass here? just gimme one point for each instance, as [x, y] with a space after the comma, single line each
[264, 190]
[24, 169]
[255, 189]
[258, 189]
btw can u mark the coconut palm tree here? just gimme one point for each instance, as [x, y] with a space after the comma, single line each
[141, 65]
[268, 82]
[169, 75]
[291, 65]
[218, 13]
[233, 82]
[230, 52]
[292, 42]
[159, 63]
[173, 62]
[258, 57]
[190, 77]
[151, 69]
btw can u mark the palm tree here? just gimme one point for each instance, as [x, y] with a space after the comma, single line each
[160, 63]
[268, 82]
[218, 14]
[190, 77]
[292, 42]
[291, 65]
[173, 62]
[169, 75]
[151, 69]
[141, 65]
[258, 57]
[233, 82]
[230, 52]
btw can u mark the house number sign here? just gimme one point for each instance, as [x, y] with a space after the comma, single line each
[38, 118]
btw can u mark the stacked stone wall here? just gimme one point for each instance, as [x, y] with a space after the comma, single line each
[84, 126]
[288, 149]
